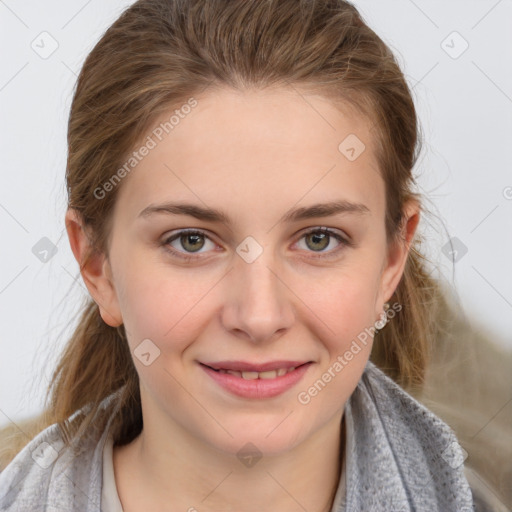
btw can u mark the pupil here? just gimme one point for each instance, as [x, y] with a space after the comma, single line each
[319, 237]
[194, 238]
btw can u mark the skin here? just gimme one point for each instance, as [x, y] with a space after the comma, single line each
[255, 155]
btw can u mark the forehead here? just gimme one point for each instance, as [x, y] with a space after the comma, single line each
[261, 151]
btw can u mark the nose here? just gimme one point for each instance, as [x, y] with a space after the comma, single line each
[258, 306]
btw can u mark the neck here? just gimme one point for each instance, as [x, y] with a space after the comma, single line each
[156, 472]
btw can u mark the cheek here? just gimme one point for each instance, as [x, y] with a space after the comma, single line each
[161, 305]
[345, 309]
[344, 303]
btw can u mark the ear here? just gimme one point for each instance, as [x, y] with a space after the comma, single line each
[96, 272]
[397, 254]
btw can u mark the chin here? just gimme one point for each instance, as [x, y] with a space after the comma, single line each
[264, 438]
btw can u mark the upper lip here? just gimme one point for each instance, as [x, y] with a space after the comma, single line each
[243, 366]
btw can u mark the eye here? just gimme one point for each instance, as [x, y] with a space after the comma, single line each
[192, 241]
[318, 239]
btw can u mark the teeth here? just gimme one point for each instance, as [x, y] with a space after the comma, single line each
[249, 375]
[259, 375]
[271, 374]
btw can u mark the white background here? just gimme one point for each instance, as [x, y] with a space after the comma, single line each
[464, 105]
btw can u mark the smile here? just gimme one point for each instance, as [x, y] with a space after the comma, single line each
[272, 374]
[257, 384]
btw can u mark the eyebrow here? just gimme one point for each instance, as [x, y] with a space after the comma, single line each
[293, 215]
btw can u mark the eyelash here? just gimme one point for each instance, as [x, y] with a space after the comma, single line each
[188, 257]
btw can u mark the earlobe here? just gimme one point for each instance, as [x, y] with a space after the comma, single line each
[94, 268]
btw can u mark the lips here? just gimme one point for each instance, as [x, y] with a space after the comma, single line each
[243, 366]
[250, 384]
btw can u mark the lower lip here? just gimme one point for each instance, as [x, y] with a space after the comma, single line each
[257, 388]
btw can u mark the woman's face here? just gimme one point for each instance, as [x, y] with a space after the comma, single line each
[254, 287]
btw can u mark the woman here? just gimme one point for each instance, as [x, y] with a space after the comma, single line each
[245, 373]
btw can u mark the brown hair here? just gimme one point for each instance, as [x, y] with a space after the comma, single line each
[157, 55]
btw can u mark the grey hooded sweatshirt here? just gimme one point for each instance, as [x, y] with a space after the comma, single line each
[399, 457]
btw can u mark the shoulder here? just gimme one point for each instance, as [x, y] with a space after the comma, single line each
[399, 410]
[402, 416]
[414, 426]
[25, 481]
[401, 451]
[48, 474]
[13, 437]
